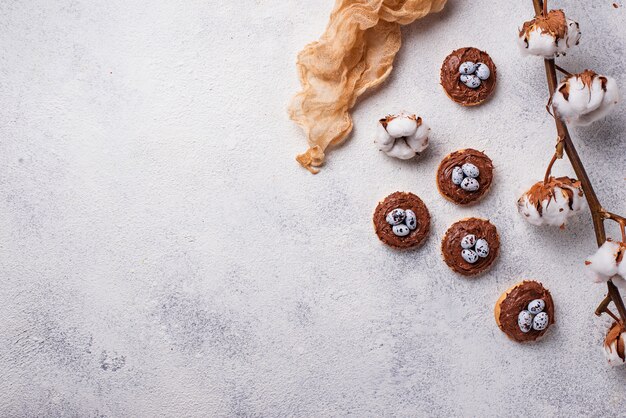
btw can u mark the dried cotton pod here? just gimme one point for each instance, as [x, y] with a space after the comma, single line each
[552, 203]
[402, 136]
[548, 36]
[606, 262]
[581, 99]
[614, 349]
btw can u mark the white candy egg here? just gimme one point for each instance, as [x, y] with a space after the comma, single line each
[470, 170]
[525, 321]
[536, 306]
[468, 241]
[469, 184]
[482, 248]
[469, 255]
[401, 230]
[395, 217]
[411, 219]
[482, 71]
[540, 322]
[470, 80]
[457, 175]
[468, 67]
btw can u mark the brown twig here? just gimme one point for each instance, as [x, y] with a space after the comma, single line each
[546, 178]
[557, 155]
[598, 213]
[567, 73]
[603, 308]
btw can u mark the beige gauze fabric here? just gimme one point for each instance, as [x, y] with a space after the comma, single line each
[355, 53]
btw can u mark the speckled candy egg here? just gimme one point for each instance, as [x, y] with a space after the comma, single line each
[468, 67]
[470, 170]
[469, 255]
[540, 322]
[401, 230]
[470, 80]
[457, 175]
[468, 241]
[536, 306]
[482, 248]
[525, 321]
[395, 217]
[411, 219]
[469, 184]
[482, 71]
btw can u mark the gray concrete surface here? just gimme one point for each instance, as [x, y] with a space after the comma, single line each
[162, 254]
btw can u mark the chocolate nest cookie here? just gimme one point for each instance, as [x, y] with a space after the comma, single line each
[470, 246]
[402, 220]
[465, 176]
[468, 76]
[525, 311]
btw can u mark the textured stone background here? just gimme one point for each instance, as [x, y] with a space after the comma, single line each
[163, 254]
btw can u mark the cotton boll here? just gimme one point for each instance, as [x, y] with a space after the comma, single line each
[402, 126]
[602, 265]
[552, 203]
[584, 98]
[548, 36]
[612, 355]
[557, 211]
[401, 150]
[402, 136]
[573, 35]
[419, 141]
[535, 42]
[609, 99]
[383, 139]
[614, 345]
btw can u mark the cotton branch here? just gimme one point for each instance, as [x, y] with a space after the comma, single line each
[598, 213]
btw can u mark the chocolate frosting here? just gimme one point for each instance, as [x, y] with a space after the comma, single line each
[454, 192]
[517, 300]
[453, 86]
[451, 245]
[402, 200]
[615, 334]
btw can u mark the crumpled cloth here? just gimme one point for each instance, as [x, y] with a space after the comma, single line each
[355, 53]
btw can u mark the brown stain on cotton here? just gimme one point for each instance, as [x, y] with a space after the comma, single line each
[554, 24]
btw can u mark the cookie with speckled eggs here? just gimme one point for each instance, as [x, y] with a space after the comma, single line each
[392, 225]
[465, 176]
[468, 76]
[511, 310]
[470, 246]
